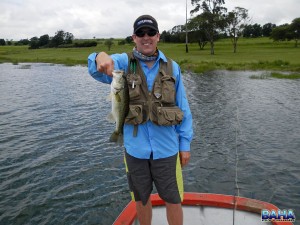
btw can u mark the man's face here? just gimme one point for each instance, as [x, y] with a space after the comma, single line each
[146, 40]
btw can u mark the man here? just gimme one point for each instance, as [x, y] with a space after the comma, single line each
[158, 129]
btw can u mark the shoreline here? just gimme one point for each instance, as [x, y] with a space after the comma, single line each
[263, 73]
[252, 54]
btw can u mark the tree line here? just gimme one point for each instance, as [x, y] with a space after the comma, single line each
[61, 39]
[177, 33]
[211, 21]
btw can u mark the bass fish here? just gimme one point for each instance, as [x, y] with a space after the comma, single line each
[120, 103]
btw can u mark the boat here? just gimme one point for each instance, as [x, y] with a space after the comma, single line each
[207, 209]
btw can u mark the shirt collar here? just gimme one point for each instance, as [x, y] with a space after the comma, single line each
[162, 56]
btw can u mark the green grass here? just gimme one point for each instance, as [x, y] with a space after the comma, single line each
[252, 54]
[277, 75]
[286, 76]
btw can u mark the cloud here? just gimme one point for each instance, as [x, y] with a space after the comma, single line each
[114, 18]
[274, 11]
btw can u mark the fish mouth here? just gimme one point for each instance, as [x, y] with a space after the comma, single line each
[118, 73]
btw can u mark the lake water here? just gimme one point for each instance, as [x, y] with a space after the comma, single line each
[57, 167]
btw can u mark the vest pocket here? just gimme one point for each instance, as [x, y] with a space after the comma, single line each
[169, 116]
[134, 86]
[168, 89]
[135, 115]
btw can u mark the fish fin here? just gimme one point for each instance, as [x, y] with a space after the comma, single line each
[110, 118]
[117, 137]
[114, 137]
[120, 139]
[118, 98]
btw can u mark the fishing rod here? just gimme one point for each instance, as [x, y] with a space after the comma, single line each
[237, 189]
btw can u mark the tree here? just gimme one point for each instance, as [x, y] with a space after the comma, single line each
[257, 30]
[280, 33]
[197, 30]
[177, 34]
[202, 40]
[109, 43]
[61, 38]
[248, 31]
[34, 43]
[295, 30]
[58, 39]
[267, 29]
[214, 16]
[23, 42]
[237, 20]
[165, 36]
[44, 40]
[2, 42]
[254, 30]
[68, 38]
[128, 39]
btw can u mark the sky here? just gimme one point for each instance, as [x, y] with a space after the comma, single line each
[24, 19]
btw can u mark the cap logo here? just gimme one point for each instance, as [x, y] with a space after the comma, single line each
[144, 21]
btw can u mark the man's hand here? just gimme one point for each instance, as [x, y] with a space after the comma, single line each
[184, 158]
[105, 64]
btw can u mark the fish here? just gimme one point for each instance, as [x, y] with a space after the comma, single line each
[119, 96]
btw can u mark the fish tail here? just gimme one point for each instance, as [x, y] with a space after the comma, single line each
[117, 137]
[114, 137]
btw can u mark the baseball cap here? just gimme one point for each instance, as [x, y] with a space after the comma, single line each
[145, 21]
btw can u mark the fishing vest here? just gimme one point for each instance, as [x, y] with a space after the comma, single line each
[158, 105]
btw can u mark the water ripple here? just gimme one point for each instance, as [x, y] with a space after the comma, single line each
[57, 166]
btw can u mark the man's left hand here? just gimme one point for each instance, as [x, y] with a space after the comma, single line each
[184, 158]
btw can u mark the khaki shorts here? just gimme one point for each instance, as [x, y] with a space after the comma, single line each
[165, 173]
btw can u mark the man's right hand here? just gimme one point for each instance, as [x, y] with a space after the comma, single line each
[105, 64]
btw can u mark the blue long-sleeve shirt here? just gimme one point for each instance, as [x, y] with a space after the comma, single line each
[161, 141]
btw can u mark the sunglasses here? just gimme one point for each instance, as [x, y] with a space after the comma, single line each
[150, 33]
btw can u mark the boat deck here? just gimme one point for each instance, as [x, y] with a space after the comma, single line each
[203, 215]
[206, 209]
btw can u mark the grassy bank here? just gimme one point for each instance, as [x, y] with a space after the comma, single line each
[252, 54]
[266, 75]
